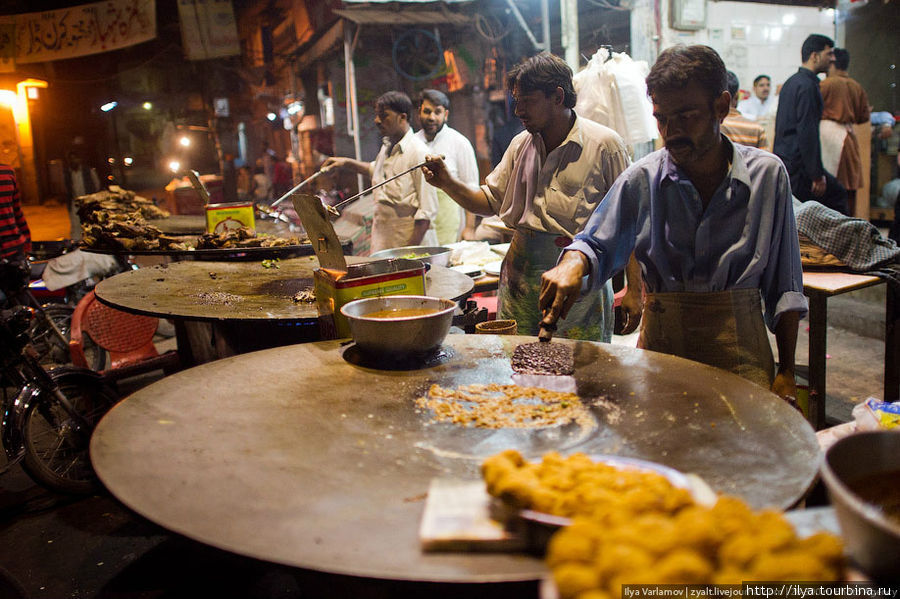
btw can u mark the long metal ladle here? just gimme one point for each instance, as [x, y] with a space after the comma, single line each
[335, 210]
[297, 187]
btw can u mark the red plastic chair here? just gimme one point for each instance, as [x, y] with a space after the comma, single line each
[128, 338]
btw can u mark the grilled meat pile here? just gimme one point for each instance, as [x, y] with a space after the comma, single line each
[117, 220]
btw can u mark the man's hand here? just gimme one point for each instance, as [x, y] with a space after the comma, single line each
[561, 285]
[632, 305]
[436, 171]
[818, 187]
[333, 162]
[785, 386]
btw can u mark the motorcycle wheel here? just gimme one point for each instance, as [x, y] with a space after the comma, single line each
[50, 347]
[56, 446]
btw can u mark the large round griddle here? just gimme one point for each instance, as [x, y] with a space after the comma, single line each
[239, 291]
[308, 455]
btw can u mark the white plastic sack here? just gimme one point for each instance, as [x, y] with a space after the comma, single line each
[637, 110]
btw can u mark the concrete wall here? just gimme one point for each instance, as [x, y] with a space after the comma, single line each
[752, 38]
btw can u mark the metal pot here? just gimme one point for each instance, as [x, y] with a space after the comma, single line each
[402, 335]
[436, 256]
[872, 540]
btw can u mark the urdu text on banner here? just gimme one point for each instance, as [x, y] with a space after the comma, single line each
[75, 31]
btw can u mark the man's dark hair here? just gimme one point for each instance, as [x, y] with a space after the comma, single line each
[544, 73]
[734, 84]
[396, 101]
[679, 65]
[815, 43]
[436, 97]
[760, 78]
[841, 59]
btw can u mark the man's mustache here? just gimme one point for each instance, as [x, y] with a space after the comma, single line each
[679, 142]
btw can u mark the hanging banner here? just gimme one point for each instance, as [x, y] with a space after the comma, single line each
[208, 29]
[77, 31]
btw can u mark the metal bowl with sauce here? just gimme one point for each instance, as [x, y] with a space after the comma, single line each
[861, 473]
[399, 324]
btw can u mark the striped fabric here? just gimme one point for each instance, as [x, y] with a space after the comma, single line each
[742, 130]
[15, 238]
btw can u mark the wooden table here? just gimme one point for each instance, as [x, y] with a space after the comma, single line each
[819, 286]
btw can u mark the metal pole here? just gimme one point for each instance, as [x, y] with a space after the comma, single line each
[352, 105]
[545, 23]
[569, 21]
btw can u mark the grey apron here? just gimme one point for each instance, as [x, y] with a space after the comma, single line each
[531, 253]
[724, 329]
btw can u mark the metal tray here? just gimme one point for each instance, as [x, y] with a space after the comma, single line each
[226, 254]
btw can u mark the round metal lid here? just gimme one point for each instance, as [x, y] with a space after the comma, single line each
[239, 291]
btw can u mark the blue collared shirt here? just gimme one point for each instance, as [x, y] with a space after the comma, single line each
[746, 238]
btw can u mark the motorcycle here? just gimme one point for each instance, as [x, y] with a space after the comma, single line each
[48, 419]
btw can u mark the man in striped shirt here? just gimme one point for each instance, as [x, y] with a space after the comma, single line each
[15, 237]
[736, 126]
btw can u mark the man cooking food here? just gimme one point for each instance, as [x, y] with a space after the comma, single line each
[548, 183]
[712, 226]
[405, 209]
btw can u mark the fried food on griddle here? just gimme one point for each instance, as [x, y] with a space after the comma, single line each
[634, 527]
[242, 237]
[116, 219]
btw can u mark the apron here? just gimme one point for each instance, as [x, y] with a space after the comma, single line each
[531, 253]
[448, 220]
[831, 135]
[724, 329]
[392, 227]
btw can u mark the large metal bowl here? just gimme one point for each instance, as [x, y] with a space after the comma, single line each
[403, 335]
[873, 540]
[436, 256]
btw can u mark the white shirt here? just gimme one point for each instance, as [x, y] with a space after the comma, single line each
[755, 109]
[459, 156]
[556, 192]
[411, 189]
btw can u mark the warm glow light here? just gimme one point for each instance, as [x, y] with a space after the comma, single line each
[109, 106]
[174, 166]
[8, 98]
[111, 160]
[185, 141]
[147, 105]
[128, 160]
[31, 92]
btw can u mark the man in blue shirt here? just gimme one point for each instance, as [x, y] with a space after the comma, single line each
[797, 140]
[712, 227]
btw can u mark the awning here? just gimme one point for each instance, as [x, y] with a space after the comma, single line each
[320, 45]
[407, 15]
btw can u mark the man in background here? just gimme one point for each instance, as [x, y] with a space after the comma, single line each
[736, 127]
[406, 208]
[761, 103]
[845, 104]
[459, 157]
[797, 128]
[80, 180]
[547, 184]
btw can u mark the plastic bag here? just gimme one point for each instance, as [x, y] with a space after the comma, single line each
[874, 415]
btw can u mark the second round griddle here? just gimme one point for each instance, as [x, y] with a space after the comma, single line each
[239, 291]
[313, 456]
